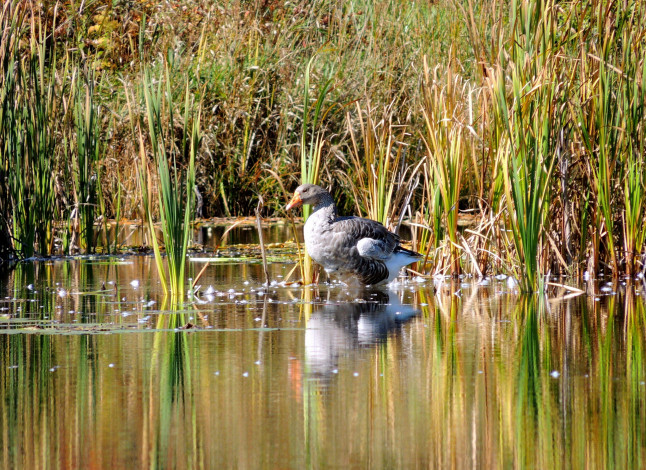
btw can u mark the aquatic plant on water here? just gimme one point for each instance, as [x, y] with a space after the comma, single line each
[28, 102]
[86, 156]
[175, 201]
[311, 144]
[529, 119]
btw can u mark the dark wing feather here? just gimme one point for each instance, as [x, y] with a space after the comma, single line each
[353, 229]
[349, 230]
[370, 271]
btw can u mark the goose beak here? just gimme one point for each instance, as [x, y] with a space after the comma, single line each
[295, 202]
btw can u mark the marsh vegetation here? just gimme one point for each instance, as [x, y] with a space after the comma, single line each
[509, 134]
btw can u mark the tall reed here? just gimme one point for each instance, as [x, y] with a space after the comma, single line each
[427, 229]
[29, 101]
[86, 156]
[10, 27]
[381, 179]
[255, 66]
[634, 101]
[444, 145]
[529, 118]
[311, 144]
[176, 187]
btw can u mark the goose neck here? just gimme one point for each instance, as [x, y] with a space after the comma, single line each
[325, 208]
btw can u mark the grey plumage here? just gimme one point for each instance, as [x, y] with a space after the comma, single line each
[349, 246]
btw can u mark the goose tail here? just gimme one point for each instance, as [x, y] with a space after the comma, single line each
[406, 251]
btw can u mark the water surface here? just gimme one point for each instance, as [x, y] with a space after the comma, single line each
[98, 370]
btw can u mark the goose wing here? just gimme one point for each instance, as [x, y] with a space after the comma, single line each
[370, 238]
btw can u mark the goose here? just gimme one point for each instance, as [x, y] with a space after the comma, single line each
[349, 247]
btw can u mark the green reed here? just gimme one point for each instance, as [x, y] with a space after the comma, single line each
[633, 103]
[312, 130]
[311, 143]
[85, 158]
[175, 200]
[29, 101]
[604, 147]
[445, 148]
[427, 229]
[10, 25]
[610, 126]
[529, 117]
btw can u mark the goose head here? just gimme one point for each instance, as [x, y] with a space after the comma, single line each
[309, 194]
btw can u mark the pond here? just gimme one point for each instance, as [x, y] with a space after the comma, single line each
[98, 370]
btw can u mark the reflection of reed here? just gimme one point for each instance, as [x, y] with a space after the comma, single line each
[479, 381]
[529, 392]
[635, 334]
[354, 321]
[171, 394]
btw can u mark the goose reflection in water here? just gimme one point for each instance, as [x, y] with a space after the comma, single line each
[360, 320]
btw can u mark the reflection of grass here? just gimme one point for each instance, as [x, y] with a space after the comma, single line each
[528, 381]
[635, 313]
[464, 385]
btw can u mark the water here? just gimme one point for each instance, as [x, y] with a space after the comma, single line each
[99, 371]
[208, 235]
